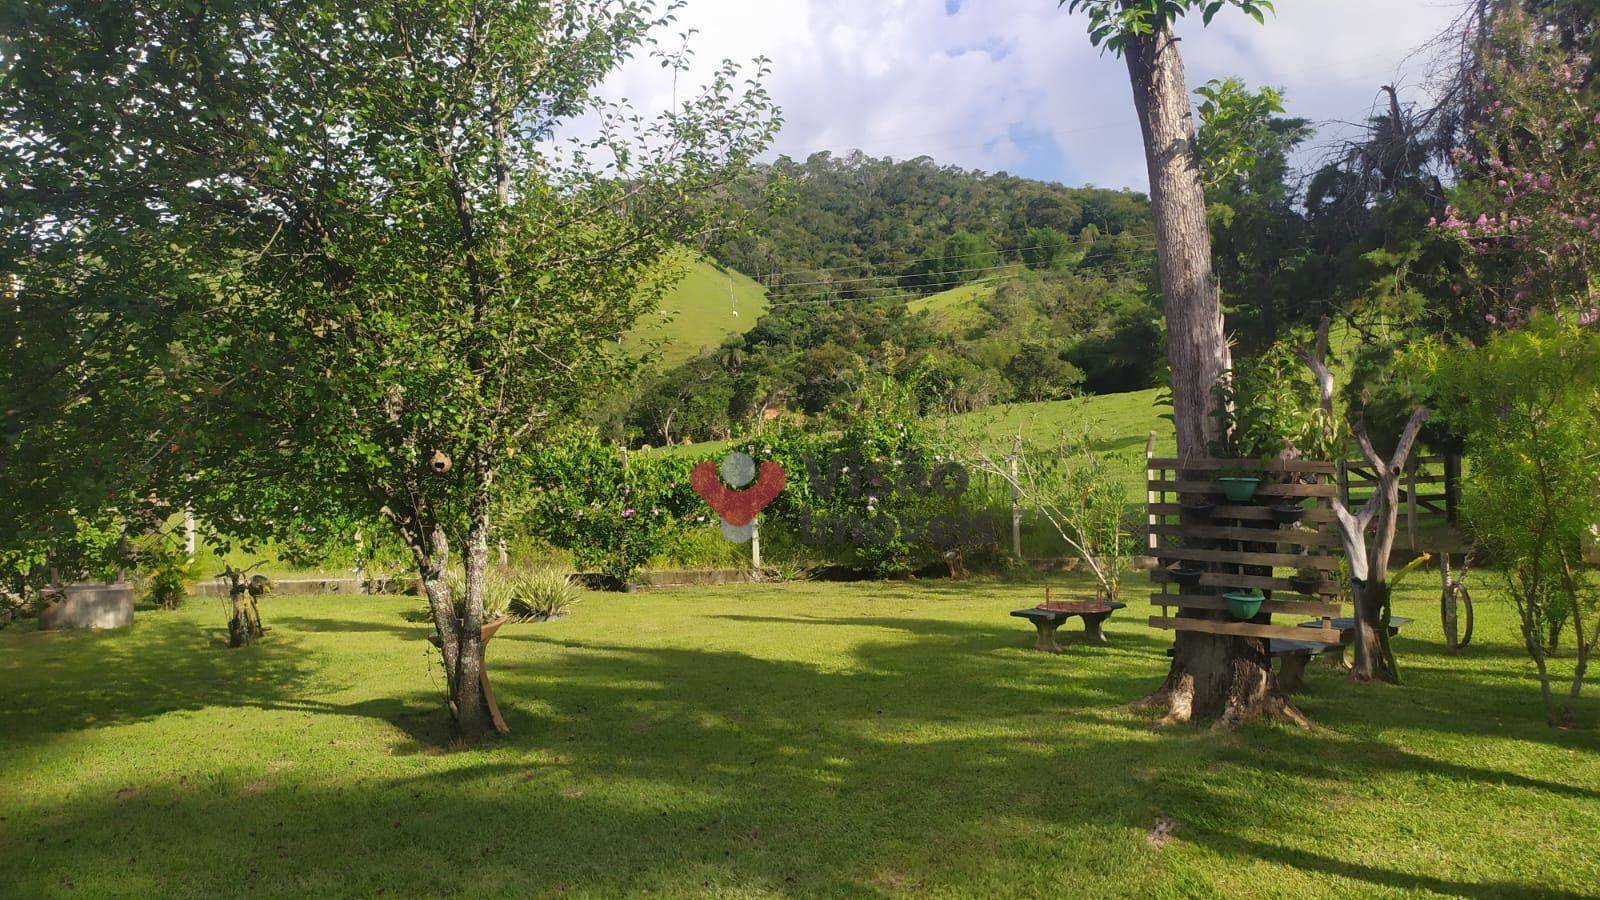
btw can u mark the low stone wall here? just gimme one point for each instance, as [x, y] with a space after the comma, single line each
[219, 588]
[676, 577]
[105, 605]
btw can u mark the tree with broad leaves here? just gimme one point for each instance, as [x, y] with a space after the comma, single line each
[1226, 677]
[325, 258]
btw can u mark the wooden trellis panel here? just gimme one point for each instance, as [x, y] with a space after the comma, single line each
[1241, 546]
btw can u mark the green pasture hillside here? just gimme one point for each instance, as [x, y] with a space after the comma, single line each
[710, 303]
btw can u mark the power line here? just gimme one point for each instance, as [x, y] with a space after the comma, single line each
[1108, 268]
[845, 282]
[905, 263]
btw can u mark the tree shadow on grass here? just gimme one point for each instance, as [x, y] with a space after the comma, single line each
[166, 664]
[1008, 633]
[94, 679]
[324, 625]
[1378, 876]
[684, 770]
[957, 761]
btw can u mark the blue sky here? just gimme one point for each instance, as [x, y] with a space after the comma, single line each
[1013, 85]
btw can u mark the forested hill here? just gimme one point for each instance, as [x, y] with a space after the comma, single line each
[854, 224]
[961, 288]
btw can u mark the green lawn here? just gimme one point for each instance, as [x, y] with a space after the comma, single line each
[951, 311]
[862, 739]
[1119, 425]
[698, 312]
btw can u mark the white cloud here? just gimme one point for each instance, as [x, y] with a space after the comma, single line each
[1014, 84]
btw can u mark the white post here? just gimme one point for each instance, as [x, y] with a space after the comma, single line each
[188, 533]
[361, 564]
[1151, 498]
[755, 543]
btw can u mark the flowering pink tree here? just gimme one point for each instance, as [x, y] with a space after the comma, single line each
[1528, 205]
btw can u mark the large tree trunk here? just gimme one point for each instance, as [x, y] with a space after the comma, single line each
[471, 706]
[1212, 676]
[1195, 346]
[460, 643]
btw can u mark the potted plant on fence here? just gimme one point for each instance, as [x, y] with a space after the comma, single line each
[1243, 605]
[1306, 580]
[1238, 485]
[1186, 574]
[1257, 421]
[1288, 511]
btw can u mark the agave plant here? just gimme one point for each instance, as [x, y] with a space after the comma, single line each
[540, 594]
[498, 591]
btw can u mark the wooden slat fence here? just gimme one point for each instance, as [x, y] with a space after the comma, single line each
[1241, 546]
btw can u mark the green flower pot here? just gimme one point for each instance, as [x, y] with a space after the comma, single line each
[1242, 605]
[1239, 488]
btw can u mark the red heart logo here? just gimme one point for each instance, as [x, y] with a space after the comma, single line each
[738, 507]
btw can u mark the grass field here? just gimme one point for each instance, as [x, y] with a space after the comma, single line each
[809, 739]
[955, 309]
[699, 312]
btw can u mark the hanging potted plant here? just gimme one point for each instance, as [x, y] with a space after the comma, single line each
[1186, 574]
[1287, 511]
[1306, 580]
[1238, 485]
[1243, 605]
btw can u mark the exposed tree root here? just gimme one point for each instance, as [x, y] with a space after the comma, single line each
[1238, 686]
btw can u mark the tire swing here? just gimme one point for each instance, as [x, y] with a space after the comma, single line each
[1455, 603]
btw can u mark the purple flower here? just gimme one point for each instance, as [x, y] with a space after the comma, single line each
[627, 512]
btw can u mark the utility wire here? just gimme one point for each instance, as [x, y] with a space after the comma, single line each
[846, 282]
[904, 263]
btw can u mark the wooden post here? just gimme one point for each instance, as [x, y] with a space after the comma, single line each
[1344, 483]
[1016, 498]
[1411, 503]
[504, 559]
[1452, 486]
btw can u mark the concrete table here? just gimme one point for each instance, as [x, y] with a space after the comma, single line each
[1048, 620]
[1346, 626]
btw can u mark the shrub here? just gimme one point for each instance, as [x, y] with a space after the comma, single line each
[170, 575]
[538, 594]
[880, 494]
[1081, 494]
[1529, 401]
[497, 592]
[614, 513]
